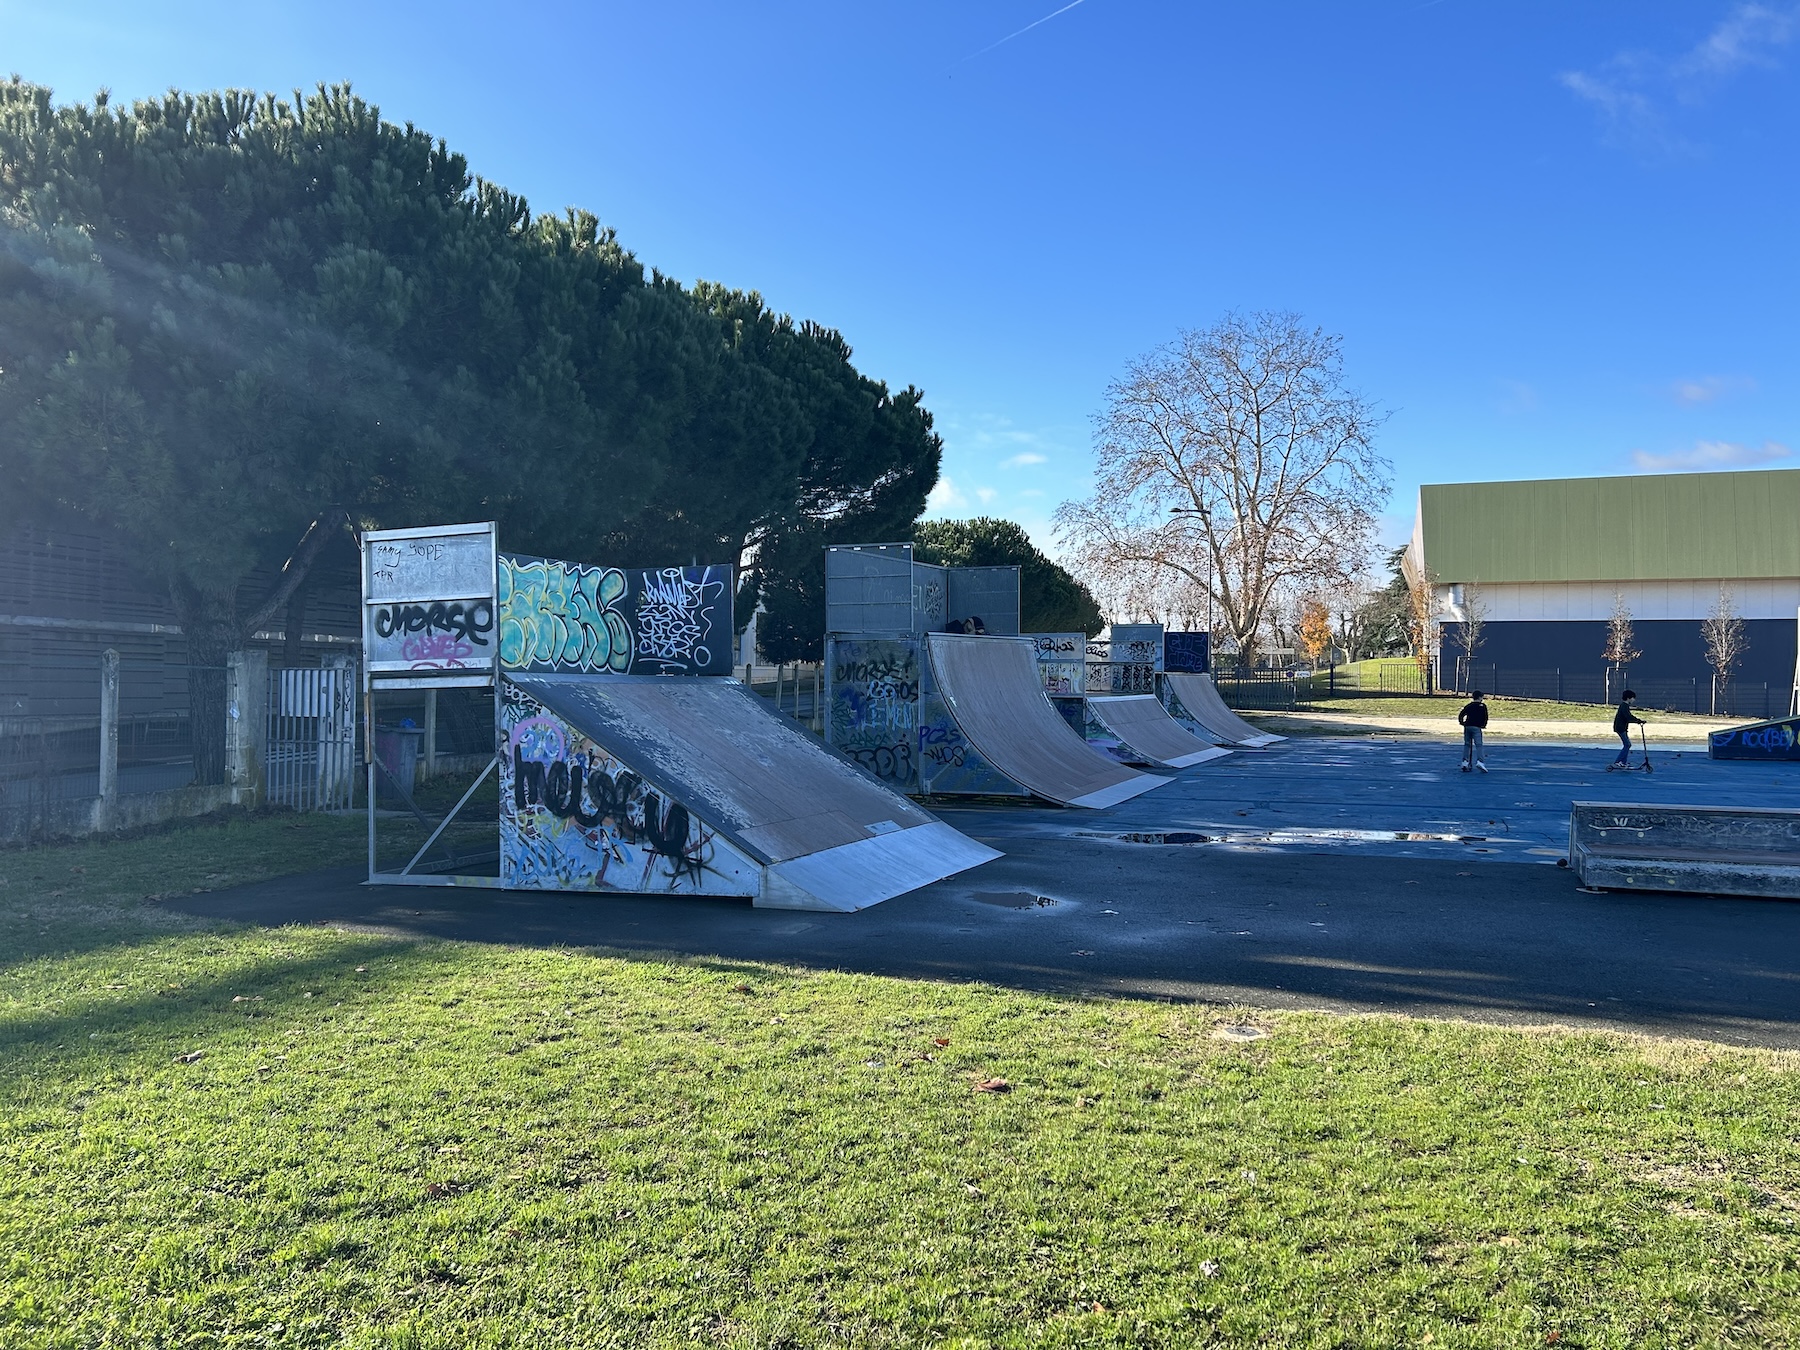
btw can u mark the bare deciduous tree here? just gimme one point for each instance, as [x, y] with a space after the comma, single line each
[1621, 649]
[1422, 608]
[1723, 633]
[1235, 458]
[1470, 635]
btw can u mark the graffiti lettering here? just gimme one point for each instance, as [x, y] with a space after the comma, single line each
[891, 763]
[469, 621]
[675, 616]
[886, 668]
[562, 616]
[438, 650]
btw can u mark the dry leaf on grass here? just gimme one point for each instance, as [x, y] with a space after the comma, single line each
[193, 1058]
[993, 1085]
[940, 1040]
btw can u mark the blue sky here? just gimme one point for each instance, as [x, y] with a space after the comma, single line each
[1556, 239]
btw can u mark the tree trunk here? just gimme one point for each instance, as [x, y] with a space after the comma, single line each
[293, 626]
[211, 635]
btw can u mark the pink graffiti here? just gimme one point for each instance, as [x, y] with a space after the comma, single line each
[436, 650]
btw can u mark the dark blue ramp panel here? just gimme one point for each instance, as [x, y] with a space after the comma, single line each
[691, 785]
[1776, 739]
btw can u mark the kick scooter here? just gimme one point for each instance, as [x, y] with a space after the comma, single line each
[1645, 766]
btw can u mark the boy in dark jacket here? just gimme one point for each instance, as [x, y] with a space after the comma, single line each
[1473, 720]
[1622, 721]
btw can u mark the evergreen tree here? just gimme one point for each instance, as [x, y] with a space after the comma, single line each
[231, 324]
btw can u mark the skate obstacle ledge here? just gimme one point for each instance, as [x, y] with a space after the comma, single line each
[1776, 739]
[1706, 850]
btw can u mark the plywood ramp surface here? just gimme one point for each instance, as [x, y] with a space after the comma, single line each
[992, 688]
[1201, 698]
[1143, 724]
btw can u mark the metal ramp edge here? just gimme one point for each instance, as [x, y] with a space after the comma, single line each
[1199, 696]
[1142, 723]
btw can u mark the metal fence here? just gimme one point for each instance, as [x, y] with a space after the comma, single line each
[1735, 698]
[310, 754]
[1260, 690]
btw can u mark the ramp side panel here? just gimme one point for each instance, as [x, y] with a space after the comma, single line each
[1185, 718]
[1100, 734]
[1139, 721]
[574, 817]
[872, 717]
[755, 777]
[1201, 698]
[992, 689]
[1775, 740]
[949, 765]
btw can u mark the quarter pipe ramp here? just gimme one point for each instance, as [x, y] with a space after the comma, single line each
[692, 786]
[1196, 699]
[992, 688]
[1140, 722]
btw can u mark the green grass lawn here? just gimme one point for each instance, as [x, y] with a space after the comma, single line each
[1499, 709]
[303, 1137]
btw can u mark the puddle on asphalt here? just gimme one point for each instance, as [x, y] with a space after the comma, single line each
[1297, 836]
[1013, 899]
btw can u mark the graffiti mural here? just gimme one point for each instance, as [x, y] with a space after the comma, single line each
[562, 616]
[948, 763]
[1777, 739]
[874, 710]
[1122, 667]
[681, 620]
[572, 817]
[1187, 653]
[1060, 661]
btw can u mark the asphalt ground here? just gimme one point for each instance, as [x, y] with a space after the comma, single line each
[1348, 875]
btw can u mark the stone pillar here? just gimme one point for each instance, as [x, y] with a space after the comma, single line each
[109, 736]
[246, 725]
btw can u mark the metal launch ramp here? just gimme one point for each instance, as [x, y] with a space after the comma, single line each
[1195, 698]
[1141, 723]
[692, 785]
[994, 691]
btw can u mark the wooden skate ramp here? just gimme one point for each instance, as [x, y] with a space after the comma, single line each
[992, 688]
[824, 834]
[1199, 697]
[1140, 722]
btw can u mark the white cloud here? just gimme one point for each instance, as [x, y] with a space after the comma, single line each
[1023, 459]
[1711, 455]
[946, 496]
[1031, 492]
[986, 494]
[1627, 92]
[1743, 39]
[1706, 388]
[1626, 113]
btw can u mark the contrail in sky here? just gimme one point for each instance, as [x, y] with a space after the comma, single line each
[1026, 29]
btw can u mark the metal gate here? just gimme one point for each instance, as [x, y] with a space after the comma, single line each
[309, 760]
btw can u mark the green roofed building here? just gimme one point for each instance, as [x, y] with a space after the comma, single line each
[1550, 559]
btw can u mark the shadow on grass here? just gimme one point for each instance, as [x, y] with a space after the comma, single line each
[1515, 945]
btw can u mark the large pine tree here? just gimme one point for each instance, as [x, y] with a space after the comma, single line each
[231, 324]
